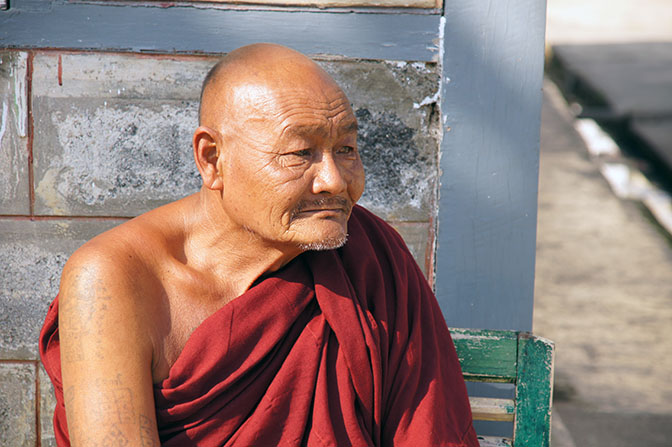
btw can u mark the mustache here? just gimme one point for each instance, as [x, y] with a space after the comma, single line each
[326, 202]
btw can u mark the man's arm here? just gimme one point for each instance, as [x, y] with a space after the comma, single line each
[106, 354]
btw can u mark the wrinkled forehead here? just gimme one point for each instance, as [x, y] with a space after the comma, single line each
[306, 103]
[265, 96]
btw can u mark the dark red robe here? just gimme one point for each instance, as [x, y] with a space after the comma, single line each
[345, 347]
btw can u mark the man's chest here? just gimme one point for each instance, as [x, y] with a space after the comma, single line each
[183, 304]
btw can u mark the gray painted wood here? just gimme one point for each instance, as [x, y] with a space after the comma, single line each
[491, 105]
[380, 36]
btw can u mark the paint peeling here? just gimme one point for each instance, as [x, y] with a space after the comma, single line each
[3, 125]
[421, 67]
[455, 335]
[48, 193]
[13, 125]
[442, 31]
[21, 94]
[427, 101]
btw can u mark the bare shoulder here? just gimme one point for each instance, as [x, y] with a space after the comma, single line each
[114, 285]
[121, 260]
[108, 264]
[114, 278]
[101, 294]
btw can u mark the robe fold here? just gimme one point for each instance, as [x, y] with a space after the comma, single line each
[343, 347]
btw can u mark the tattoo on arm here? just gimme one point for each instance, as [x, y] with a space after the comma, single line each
[116, 409]
[114, 438]
[81, 315]
[118, 405]
[101, 411]
[146, 429]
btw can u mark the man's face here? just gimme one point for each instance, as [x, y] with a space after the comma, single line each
[291, 170]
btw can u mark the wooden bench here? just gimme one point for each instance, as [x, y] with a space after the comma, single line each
[519, 358]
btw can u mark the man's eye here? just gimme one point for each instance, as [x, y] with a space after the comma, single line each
[303, 153]
[346, 149]
[296, 158]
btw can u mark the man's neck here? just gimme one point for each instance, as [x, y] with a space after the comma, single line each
[233, 255]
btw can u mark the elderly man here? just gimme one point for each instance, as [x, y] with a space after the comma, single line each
[240, 315]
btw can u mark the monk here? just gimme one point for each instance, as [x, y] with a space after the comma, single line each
[267, 309]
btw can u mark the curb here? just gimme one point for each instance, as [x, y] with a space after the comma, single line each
[621, 173]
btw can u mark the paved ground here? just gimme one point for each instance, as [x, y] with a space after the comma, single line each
[604, 268]
[604, 295]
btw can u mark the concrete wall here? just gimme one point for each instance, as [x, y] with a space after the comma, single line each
[88, 139]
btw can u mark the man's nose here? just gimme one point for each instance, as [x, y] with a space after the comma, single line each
[329, 176]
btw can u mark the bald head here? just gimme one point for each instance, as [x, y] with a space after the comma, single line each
[277, 149]
[263, 68]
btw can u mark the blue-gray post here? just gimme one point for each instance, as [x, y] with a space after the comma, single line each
[491, 103]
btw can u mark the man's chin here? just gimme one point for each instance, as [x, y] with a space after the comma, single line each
[325, 244]
[318, 235]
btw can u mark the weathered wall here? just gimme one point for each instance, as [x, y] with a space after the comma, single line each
[88, 139]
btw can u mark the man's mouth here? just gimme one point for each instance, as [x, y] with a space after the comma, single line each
[331, 204]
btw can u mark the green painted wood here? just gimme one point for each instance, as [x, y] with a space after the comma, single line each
[487, 356]
[515, 357]
[532, 422]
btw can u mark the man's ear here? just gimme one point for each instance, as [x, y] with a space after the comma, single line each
[206, 156]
